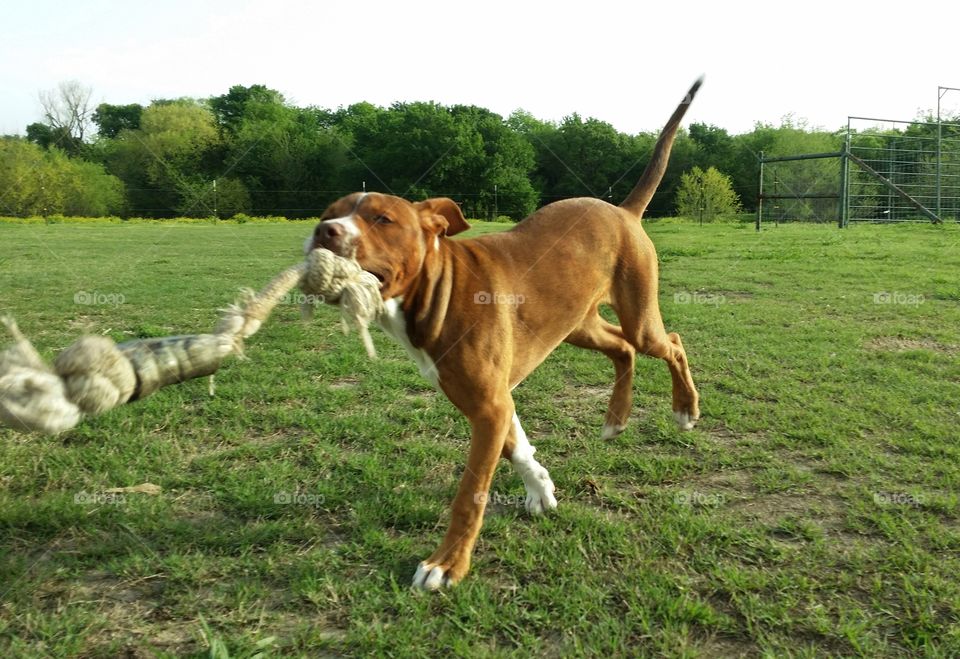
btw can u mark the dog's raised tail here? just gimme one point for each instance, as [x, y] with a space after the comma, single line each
[636, 202]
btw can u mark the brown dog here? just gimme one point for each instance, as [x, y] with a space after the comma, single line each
[479, 315]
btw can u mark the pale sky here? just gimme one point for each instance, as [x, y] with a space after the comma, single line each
[627, 63]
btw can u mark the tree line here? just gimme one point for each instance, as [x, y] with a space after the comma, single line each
[249, 151]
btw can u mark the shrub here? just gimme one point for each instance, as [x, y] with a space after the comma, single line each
[47, 182]
[708, 194]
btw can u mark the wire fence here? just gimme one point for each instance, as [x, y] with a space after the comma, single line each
[882, 171]
[921, 159]
[310, 204]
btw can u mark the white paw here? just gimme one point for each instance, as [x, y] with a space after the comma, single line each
[540, 491]
[611, 431]
[685, 420]
[429, 577]
[536, 479]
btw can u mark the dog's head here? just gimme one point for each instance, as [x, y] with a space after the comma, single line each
[389, 236]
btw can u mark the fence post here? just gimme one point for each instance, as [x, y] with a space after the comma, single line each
[844, 210]
[760, 195]
[940, 92]
[702, 199]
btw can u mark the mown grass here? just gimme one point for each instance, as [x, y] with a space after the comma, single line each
[813, 512]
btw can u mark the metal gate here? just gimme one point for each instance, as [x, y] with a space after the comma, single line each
[884, 171]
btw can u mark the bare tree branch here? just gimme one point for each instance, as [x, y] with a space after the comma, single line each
[68, 108]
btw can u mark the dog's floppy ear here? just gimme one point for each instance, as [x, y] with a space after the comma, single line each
[442, 215]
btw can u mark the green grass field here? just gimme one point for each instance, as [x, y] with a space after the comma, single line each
[813, 512]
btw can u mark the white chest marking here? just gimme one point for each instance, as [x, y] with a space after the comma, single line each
[393, 323]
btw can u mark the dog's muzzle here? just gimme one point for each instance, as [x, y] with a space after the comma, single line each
[333, 236]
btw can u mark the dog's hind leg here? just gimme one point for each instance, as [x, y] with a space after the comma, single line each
[648, 336]
[686, 400]
[597, 334]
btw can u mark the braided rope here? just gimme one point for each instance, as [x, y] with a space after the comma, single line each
[95, 375]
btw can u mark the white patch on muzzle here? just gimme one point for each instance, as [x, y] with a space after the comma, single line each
[351, 232]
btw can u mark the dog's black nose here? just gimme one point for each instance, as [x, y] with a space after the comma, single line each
[330, 235]
[331, 231]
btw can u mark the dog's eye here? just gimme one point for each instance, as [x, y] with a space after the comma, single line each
[382, 219]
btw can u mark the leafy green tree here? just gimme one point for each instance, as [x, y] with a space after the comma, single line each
[88, 189]
[111, 119]
[707, 194]
[683, 157]
[46, 136]
[164, 162]
[497, 166]
[582, 158]
[222, 198]
[22, 180]
[715, 146]
[410, 149]
[290, 160]
[231, 198]
[589, 157]
[805, 176]
[425, 149]
[38, 181]
[269, 157]
[231, 110]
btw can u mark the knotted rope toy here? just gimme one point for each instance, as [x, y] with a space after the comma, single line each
[95, 375]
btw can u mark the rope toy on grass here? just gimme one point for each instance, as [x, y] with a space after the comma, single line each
[95, 375]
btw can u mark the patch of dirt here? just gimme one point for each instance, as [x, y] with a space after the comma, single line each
[726, 647]
[735, 479]
[901, 344]
[127, 604]
[818, 501]
[721, 434]
[344, 383]
[420, 394]
[770, 507]
[105, 587]
[254, 437]
[137, 617]
[590, 391]
[174, 636]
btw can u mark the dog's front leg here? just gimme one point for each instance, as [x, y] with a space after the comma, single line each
[451, 561]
